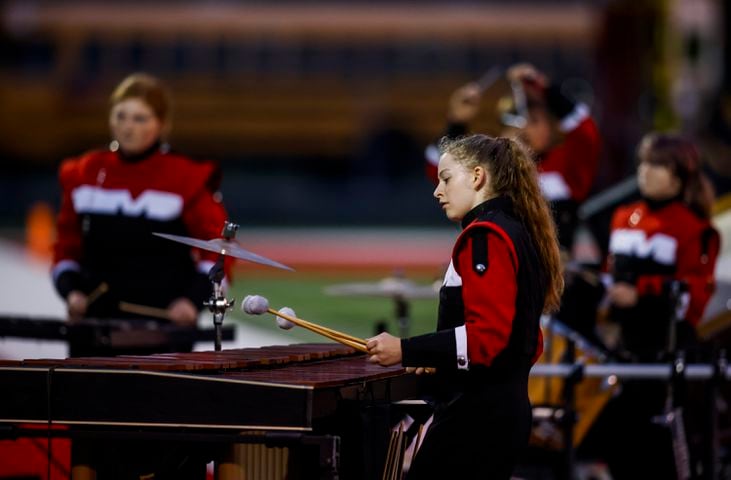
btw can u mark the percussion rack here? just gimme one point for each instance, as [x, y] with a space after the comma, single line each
[648, 371]
[675, 373]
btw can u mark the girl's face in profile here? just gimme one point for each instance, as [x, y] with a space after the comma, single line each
[457, 191]
[134, 125]
[657, 182]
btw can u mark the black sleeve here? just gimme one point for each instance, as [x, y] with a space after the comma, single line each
[438, 349]
[68, 281]
[558, 104]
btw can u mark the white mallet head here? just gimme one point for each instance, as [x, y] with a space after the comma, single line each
[283, 323]
[255, 305]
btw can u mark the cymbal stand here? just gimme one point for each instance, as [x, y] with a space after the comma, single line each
[218, 304]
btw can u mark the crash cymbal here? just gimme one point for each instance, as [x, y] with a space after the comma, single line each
[388, 288]
[224, 247]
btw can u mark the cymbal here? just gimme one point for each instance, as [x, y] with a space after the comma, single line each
[224, 247]
[386, 288]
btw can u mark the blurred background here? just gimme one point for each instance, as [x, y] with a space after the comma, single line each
[319, 113]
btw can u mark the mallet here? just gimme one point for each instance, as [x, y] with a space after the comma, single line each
[257, 305]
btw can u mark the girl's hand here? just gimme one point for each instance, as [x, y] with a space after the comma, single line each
[421, 370]
[384, 349]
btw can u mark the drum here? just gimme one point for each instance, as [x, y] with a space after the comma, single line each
[546, 393]
[716, 323]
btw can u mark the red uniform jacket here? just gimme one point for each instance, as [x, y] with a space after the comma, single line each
[109, 209]
[649, 246]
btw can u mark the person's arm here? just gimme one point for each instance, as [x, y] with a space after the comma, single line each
[67, 248]
[66, 269]
[463, 107]
[489, 308]
[576, 158]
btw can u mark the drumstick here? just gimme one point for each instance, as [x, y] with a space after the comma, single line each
[256, 305]
[358, 344]
[144, 310]
[100, 290]
[324, 328]
[286, 324]
[489, 78]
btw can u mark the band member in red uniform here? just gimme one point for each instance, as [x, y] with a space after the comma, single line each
[561, 133]
[663, 237]
[113, 199]
[666, 235]
[504, 272]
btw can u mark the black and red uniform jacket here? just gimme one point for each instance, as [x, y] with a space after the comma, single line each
[111, 204]
[651, 244]
[490, 303]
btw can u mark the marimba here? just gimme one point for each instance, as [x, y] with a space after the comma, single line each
[299, 392]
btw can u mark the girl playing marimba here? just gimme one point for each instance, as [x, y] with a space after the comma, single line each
[504, 272]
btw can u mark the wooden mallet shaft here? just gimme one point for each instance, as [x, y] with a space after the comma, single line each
[345, 339]
[100, 290]
[144, 310]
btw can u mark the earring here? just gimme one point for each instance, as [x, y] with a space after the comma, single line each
[113, 145]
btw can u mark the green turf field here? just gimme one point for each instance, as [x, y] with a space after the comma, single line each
[304, 293]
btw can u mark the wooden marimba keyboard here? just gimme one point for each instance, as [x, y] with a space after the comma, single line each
[298, 396]
[270, 388]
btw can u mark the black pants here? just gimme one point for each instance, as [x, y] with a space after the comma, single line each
[478, 434]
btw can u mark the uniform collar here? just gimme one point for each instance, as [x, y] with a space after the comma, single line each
[138, 157]
[660, 204]
[501, 202]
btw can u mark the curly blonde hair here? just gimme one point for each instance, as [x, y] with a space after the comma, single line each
[513, 174]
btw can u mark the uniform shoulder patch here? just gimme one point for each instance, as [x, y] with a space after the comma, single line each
[479, 250]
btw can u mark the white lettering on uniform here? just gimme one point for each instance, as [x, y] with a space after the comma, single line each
[660, 247]
[152, 204]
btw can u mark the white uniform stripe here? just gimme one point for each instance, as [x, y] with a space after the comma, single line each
[573, 119]
[452, 278]
[554, 186]
[460, 335]
[432, 155]
[64, 266]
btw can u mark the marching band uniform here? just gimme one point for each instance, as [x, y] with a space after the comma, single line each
[487, 339]
[110, 206]
[651, 243]
[566, 171]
